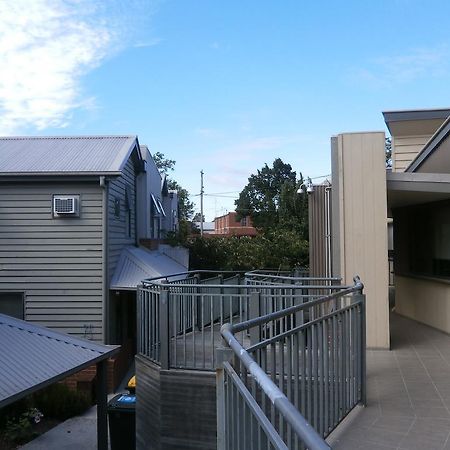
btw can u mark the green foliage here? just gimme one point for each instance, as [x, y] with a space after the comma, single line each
[272, 200]
[388, 151]
[58, 401]
[163, 164]
[281, 250]
[19, 430]
[185, 206]
[261, 198]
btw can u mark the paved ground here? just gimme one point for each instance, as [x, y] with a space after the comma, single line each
[408, 393]
[408, 399]
[78, 433]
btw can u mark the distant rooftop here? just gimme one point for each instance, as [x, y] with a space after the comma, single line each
[65, 155]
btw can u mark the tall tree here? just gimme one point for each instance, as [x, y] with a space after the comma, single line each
[270, 195]
[185, 206]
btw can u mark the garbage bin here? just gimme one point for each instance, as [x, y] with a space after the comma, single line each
[122, 422]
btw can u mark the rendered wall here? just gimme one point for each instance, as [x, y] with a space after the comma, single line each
[424, 300]
[359, 218]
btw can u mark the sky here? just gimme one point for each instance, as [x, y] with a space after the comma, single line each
[223, 87]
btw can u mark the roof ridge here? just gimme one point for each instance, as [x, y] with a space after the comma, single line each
[82, 136]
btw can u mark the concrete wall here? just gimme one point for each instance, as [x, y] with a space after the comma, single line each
[424, 300]
[359, 224]
[175, 409]
[55, 261]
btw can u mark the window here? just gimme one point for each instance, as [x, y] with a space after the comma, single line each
[244, 221]
[128, 204]
[117, 207]
[12, 304]
[422, 240]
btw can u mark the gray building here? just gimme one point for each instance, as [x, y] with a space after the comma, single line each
[73, 211]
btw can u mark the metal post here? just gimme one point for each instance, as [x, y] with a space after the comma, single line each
[164, 334]
[222, 355]
[363, 350]
[255, 312]
[102, 418]
[201, 203]
[360, 298]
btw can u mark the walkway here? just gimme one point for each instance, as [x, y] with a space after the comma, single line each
[408, 393]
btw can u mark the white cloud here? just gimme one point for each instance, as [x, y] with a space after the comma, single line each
[388, 71]
[46, 48]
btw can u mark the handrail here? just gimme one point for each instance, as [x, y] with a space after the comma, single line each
[291, 278]
[358, 286]
[298, 423]
[290, 413]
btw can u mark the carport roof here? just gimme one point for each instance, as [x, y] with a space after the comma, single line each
[33, 357]
[412, 188]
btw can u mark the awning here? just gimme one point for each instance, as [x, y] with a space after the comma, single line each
[33, 357]
[406, 188]
[137, 264]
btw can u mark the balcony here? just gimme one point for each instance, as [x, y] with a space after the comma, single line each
[253, 360]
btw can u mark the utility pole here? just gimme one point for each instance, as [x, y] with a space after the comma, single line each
[201, 203]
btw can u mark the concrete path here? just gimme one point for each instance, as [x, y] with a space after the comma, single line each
[74, 434]
[408, 388]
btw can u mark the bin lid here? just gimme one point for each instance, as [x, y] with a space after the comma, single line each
[132, 383]
[123, 402]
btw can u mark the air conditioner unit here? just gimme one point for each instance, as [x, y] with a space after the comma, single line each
[66, 205]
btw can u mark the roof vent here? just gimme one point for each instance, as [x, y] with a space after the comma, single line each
[66, 205]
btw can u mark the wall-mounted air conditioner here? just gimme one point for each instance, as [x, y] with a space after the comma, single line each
[66, 205]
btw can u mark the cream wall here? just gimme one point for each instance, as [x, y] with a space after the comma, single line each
[359, 215]
[405, 149]
[424, 300]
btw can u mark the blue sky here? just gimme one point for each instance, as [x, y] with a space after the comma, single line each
[220, 86]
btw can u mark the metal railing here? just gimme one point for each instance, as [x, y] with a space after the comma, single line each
[301, 374]
[179, 320]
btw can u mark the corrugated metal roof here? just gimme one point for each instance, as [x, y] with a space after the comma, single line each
[33, 356]
[64, 155]
[137, 264]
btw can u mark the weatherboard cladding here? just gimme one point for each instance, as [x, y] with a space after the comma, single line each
[32, 355]
[56, 262]
[77, 154]
[118, 237]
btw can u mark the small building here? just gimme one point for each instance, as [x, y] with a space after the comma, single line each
[372, 213]
[73, 214]
[229, 225]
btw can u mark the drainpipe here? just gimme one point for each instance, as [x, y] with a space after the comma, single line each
[105, 285]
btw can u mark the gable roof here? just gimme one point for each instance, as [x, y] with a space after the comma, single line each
[65, 155]
[33, 357]
[431, 146]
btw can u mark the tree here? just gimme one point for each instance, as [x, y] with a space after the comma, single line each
[198, 218]
[271, 198]
[388, 152]
[185, 206]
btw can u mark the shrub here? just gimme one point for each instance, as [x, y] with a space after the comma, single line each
[59, 402]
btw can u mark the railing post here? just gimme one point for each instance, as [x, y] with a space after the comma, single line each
[164, 333]
[361, 298]
[197, 302]
[222, 355]
[254, 312]
[363, 350]
[139, 323]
